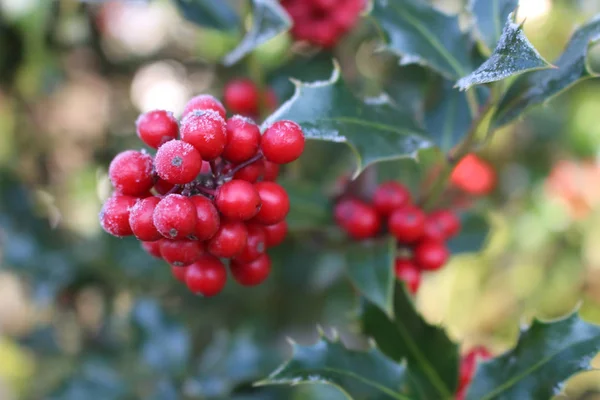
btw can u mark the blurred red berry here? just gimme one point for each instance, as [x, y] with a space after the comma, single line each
[357, 218]
[474, 175]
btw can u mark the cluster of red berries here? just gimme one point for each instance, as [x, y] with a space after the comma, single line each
[421, 237]
[207, 195]
[242, 96]
[468, 365]
[322, 22]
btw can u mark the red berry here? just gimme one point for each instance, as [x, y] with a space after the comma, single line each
[179, 273]
[431, 255]
[357, 218]
[229, 241]
[131, 172]
[238, 200]
[242, 97]
[474, 176]
[204, 102]
[275, 203]
[407, 224]
[243, 139]
[152, 248]
[175, 217]
[251, 273]
[141, 219]
[177, 162]
[468, 365]
[408, 272]
[163, 187]
[205, 130]
[114, 216]
[255, 244]
[207, 276]
[275, 234]
[271, 170]
[181, 252]
[270, 100]
[282, 142]
[207, 218]
[433, 230]
[156, 127]
[390, 196]
[250, 173]
[448, 221]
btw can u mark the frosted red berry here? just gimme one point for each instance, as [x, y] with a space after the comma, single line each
[207, 276]
[357, 218]
[243, 139]
[204, 102]
[431, 255]
[141, 219]
[241, 96]
[251, 273]
[157, 127]
[250, 173]
[114, 216]
[207, 218]
[131, 172]
[229, 241]
[152, 248]
[205, 130]
[282, 142]
[407, 224]
[390, 196]
[175, 217]
[270, 171]
[255, 244]
[179, 273]
[275, 203]
[407, 271]
[181, 252]
[177, 162]
[275, 234]
[238, 200]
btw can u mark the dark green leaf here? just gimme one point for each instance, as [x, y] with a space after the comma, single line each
[422, 35]
[546, 355]
[432, 359]
[490, 16]
[513, 55]
[360, 375]
[371, 269]
[309, 206]
[269, 20]
[473, 234]
[209, 13]
[541, 86]
[375, 130]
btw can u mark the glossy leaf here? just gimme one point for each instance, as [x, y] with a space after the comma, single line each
[420, 34]
[371, 269]
[541, 86]
[375, 129]
[472, 236]
[432, 359]
[546, 355]
[269, 20]
[513, 55]
[360, 375]
[209, 13]
[490, 17]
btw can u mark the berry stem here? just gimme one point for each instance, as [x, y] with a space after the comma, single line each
[173, 190]
[238, 167]
[209, 192]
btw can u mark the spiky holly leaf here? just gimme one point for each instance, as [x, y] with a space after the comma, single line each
[432, 359]
[360, 375]
[375, 129]
[540, 86]
[546, 355]
[489, 19]
[473, 234]
[513, 55]
[420, 34]
[209, 13]
[269, 20]
[371, 269]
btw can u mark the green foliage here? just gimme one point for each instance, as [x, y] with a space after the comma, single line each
[217, 15]
[490, 17]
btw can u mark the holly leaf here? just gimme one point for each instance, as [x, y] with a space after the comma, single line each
[269, 20]
[473, 234]
[420, 34]
[546, 355]
[513, 55]
[489, 19]
[375, 129]
[432, 359]
[371, 270]
[209, 13]
[359, 375]
[541, 86]
[309, 206]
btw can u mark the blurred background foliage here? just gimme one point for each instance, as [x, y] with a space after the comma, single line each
[85, 315]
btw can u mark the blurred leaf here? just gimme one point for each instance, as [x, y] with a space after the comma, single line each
[94, 380]
[309, 207]
[541, 86]
[371, 269]
[360, 375]
[375, 130]
[305, 69]
[432, 359]
[472, 236]
[490, 17]
[546, 355]
[269, 20]
[209, 13]
[513, 55]
[420, 34]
